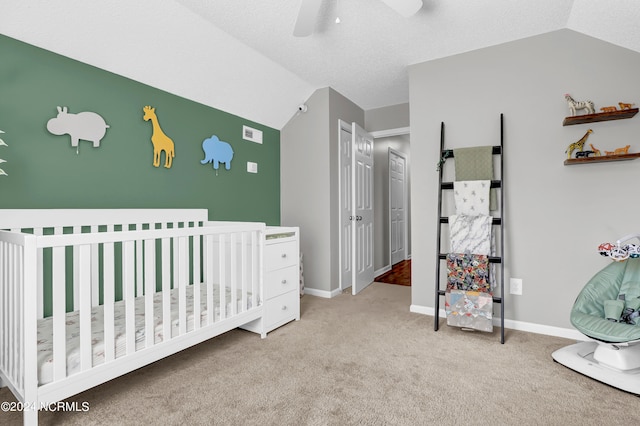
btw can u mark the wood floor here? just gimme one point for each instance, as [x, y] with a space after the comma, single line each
[400, 274]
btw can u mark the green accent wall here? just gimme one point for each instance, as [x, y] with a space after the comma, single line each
[44, 170]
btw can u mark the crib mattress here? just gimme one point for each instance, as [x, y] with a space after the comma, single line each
[45, 328]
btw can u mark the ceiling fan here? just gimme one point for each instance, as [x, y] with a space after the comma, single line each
[309, 9]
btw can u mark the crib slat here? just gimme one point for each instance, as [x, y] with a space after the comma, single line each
[109, 299]
[166, 288]
[149, 291]
[183, 279]
[95, 271]
[59, 326]
[222, 265]
[85, 257]
[18, 280]
[11, 318]
[98, 259]
[196, 282]
[40, 278]
[139, 268]
[208, 256]
[28, 281]
[76, 278]
[233, 250]
[128, 284]
[16, 311]
[255, 268]
[5, 303]
[4, 279]
[245, 250]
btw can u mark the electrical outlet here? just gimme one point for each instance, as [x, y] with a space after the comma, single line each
[252, 167]
[515, 286]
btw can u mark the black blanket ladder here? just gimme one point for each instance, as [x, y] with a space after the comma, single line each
[498, 222]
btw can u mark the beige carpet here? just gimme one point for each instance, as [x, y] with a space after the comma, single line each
[355, 360]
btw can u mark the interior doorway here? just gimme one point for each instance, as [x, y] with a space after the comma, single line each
[397, 206]
[392, 206]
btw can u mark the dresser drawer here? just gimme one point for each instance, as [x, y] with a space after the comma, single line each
[280, 255]
[281, 281]
[281, 309]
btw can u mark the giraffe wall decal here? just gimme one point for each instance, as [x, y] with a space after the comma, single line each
[161, 142]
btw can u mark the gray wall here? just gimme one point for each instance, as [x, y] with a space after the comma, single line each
[385, 118]
[309, 183]
[381, 147]
[556, 215]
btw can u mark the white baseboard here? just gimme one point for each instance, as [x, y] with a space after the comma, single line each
[567, 333]
[322, 293]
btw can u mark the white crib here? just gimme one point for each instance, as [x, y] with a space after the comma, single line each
[89, 295]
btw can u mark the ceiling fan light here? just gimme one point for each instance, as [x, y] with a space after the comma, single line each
[307, 17]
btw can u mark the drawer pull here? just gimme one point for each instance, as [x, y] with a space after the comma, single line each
[284, 307]
[284, 281]
[284, 255]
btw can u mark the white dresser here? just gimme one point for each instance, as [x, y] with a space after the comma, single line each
[281, 280]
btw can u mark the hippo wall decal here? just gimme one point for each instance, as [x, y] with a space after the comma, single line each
[87, 126]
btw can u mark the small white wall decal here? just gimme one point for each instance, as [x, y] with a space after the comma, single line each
[3, 143]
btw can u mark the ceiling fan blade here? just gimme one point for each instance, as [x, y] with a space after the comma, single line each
[406, 8]
[307, 18]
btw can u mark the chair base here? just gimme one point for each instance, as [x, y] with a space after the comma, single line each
[613, 365]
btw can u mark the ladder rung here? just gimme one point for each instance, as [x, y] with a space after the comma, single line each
[496, 220]
[496, 299]
[449, 185]
[492, 259]
[448, 153]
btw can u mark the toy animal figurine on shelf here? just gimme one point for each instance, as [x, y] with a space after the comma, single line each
[584, 154]
[578, 145]
[611, 108]
[596, 151]
[577, 105]
[619, 151]
[625, 106]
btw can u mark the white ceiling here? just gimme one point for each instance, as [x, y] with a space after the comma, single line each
[365, 57]
[240, 55]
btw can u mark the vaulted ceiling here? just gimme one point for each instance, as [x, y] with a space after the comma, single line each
[241, 56]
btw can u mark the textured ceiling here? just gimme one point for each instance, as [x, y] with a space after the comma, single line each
[240, 55]
[366, 56]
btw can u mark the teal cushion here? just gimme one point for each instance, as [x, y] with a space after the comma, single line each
[587, 314]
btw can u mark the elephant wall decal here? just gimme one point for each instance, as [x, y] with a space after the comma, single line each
[216, 152]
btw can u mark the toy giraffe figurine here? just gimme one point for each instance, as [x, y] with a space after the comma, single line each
[578, 145]
[160, 141]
